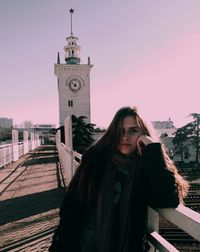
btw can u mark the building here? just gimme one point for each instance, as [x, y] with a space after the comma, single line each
[73, 80]
[46, 132]
[165, 131]
[164, 128]
[6, 122]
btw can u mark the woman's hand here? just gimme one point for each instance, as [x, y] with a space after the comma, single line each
[143, 141]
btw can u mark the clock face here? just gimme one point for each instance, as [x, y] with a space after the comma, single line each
[75, 85]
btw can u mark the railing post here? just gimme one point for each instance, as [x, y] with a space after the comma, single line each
[152, 224]
[25, 140]
[69, 146]
[58, 137]
[15, 147]
[36, 140]
[32, 141]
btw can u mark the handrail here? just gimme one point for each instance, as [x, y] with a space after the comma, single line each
[185, 218]
[160, 243]
[5, 146]
[77, 155]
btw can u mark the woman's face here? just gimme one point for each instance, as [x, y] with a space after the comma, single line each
[130, 133]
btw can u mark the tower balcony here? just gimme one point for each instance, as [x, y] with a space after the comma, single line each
[72, 60]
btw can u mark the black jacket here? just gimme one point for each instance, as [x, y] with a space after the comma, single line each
[155, 186]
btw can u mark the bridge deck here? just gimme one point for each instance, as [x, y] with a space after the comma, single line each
[31, 191]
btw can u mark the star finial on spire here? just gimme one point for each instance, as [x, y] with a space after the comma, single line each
[71, 12]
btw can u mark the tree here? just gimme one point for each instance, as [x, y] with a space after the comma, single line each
[28, 124]
[193, 129]
[82, 133]
[5, 134]
[178, 141]
[189, 131]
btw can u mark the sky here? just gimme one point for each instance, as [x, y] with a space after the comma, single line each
[145, 53]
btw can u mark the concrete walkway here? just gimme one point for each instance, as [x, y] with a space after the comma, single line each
[31, 192]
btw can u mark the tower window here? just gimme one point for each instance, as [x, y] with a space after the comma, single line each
[72, 52]
[70, 103]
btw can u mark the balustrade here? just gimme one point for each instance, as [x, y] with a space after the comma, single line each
[12, 152]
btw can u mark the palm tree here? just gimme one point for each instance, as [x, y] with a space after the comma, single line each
[82, 133]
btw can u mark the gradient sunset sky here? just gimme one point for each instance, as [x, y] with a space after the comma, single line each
[146, 53]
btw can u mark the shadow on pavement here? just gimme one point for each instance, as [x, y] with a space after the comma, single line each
[37, 161]
[33, 239]
[28, 205]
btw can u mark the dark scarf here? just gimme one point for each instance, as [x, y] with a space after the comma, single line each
[123, 161]
[106, 241]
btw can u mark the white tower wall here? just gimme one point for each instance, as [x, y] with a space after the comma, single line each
[73, 101]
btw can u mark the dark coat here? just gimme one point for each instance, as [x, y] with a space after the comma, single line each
[154, 186]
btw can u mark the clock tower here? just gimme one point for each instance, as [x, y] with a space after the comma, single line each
[73, 81]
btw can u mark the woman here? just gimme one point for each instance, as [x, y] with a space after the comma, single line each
[105, 208]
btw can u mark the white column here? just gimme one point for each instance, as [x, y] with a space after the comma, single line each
[68, 132]
[15, 145]
[37, 139]
[68, 147]
[25, 140]
[58, 137]
[32, 141]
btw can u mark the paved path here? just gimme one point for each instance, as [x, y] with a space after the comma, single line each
[30, 197]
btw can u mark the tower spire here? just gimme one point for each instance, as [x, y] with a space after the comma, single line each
[71, 12]
[72, 49]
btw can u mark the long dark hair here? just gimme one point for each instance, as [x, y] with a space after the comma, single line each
[99, 154]
[111, 137]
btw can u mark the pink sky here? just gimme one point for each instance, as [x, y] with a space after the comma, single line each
[145, 53]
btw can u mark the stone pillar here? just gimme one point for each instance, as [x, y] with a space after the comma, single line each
[15, 145]
[32, 141]
[25, 140]
[37, 140]
[68, 133]
[58, 136]
[68, 147]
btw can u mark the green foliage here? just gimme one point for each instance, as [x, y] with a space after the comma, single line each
[179, 140]
[5, 134]
[188, 131]
[194, 128]
[82, 133]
